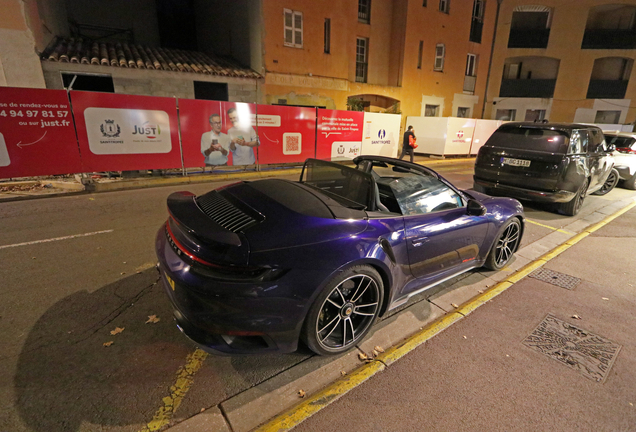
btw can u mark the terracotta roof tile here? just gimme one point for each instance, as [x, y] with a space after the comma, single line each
[126, 55]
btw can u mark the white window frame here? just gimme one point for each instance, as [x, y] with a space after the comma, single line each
[444, 6]
[365, 58]
[294, 30]
[479, 6]
[439, 58]
[471, 69]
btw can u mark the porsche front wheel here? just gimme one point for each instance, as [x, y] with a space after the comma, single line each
[344, 311]
[505, 245]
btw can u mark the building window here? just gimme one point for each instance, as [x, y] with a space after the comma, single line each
[471, 65]
[424, 3]
[327, 35]
[535, 115]
[431, 110]
[293, 28]
[477, 22]
[419, 55]
[439, 57]
[607, 117]
[444, 6]
[362, 48]
[463, 112]
[364, 11]
[210, 91]
[88, 82]
[506, 114]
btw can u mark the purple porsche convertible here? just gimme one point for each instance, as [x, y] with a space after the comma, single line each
[258, 266]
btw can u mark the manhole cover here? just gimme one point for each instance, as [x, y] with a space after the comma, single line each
[590, 354]
[555, 278]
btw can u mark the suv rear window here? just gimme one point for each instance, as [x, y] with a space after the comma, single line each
[621, 142]
[529, 138]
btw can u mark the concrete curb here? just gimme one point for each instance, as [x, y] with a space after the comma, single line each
[259, 401]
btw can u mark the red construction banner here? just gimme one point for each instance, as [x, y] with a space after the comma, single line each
[36, 133]
[287, 134]
[119, 132]
[217, 133]
[339, 134]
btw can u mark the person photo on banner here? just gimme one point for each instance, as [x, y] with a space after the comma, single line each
[243, 139]
[408, 143]
[215, 145]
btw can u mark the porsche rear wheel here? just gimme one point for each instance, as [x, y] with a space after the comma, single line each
[344, 311]
[505, 246]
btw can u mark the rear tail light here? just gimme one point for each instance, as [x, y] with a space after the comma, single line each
[626, 150]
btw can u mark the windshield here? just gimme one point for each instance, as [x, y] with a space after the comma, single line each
[348, 185]
[529, 138]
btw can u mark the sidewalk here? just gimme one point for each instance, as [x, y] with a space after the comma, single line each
[58, 186]
[537, 357]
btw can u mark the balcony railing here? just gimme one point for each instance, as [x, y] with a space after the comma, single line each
[469, 83]
[528, 38]
[531, 88]
[361, 72]
[476, 28]
[607, 89]
[609, 39]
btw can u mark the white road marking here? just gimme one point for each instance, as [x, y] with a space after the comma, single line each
[56, 239]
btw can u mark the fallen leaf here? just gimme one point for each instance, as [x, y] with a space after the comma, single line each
[363, 356]
[33, 258]
[465, 337]
[604, 298]
[301, 393]
[117, 330]
[480, 291]
[378, 348]
[107, 344]
[375, 353]
[454, 305]
[153, 319]
[91, 199]
[343, 373]
[124, 262]
[631, 404]
[507, 355]
[576, 317]
[202, 409]
[123, 273]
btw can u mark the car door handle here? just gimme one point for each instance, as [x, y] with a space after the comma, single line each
[416, 242]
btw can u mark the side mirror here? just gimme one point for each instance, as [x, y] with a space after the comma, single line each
[475, 208]
[611, 148]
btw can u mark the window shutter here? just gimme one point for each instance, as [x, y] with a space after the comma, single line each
[439, 57]
[298, 29]
[289, 28]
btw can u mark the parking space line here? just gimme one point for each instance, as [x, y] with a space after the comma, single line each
[55, 239]
[185, 378]
[320, 400]
[548, 226]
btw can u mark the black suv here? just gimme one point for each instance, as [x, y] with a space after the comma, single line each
[546, 162]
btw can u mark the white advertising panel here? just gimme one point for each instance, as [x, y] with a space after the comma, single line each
[430, 133]
[459, 135]
[4, 154]
[483, 130]
[381, 134]
[127, 131]
[342, 150]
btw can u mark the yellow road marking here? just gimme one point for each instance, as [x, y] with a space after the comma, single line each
[185, 378]
[296, 415]
[548, 226]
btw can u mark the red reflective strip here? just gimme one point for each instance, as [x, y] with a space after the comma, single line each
[184, 250]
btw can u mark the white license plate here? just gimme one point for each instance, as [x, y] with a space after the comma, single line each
[515, 162]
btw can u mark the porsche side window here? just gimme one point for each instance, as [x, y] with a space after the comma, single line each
[424, 194]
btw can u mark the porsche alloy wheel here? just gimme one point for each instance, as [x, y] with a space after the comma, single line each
[344, 312]
[505, 246]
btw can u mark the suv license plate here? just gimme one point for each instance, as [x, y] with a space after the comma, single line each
[515, 162]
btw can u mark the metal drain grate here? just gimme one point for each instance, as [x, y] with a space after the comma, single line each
[587, 353]
[555, 278]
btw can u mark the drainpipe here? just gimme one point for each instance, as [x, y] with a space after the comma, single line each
[492, 50]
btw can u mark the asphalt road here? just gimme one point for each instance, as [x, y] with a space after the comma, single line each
[74, 269]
